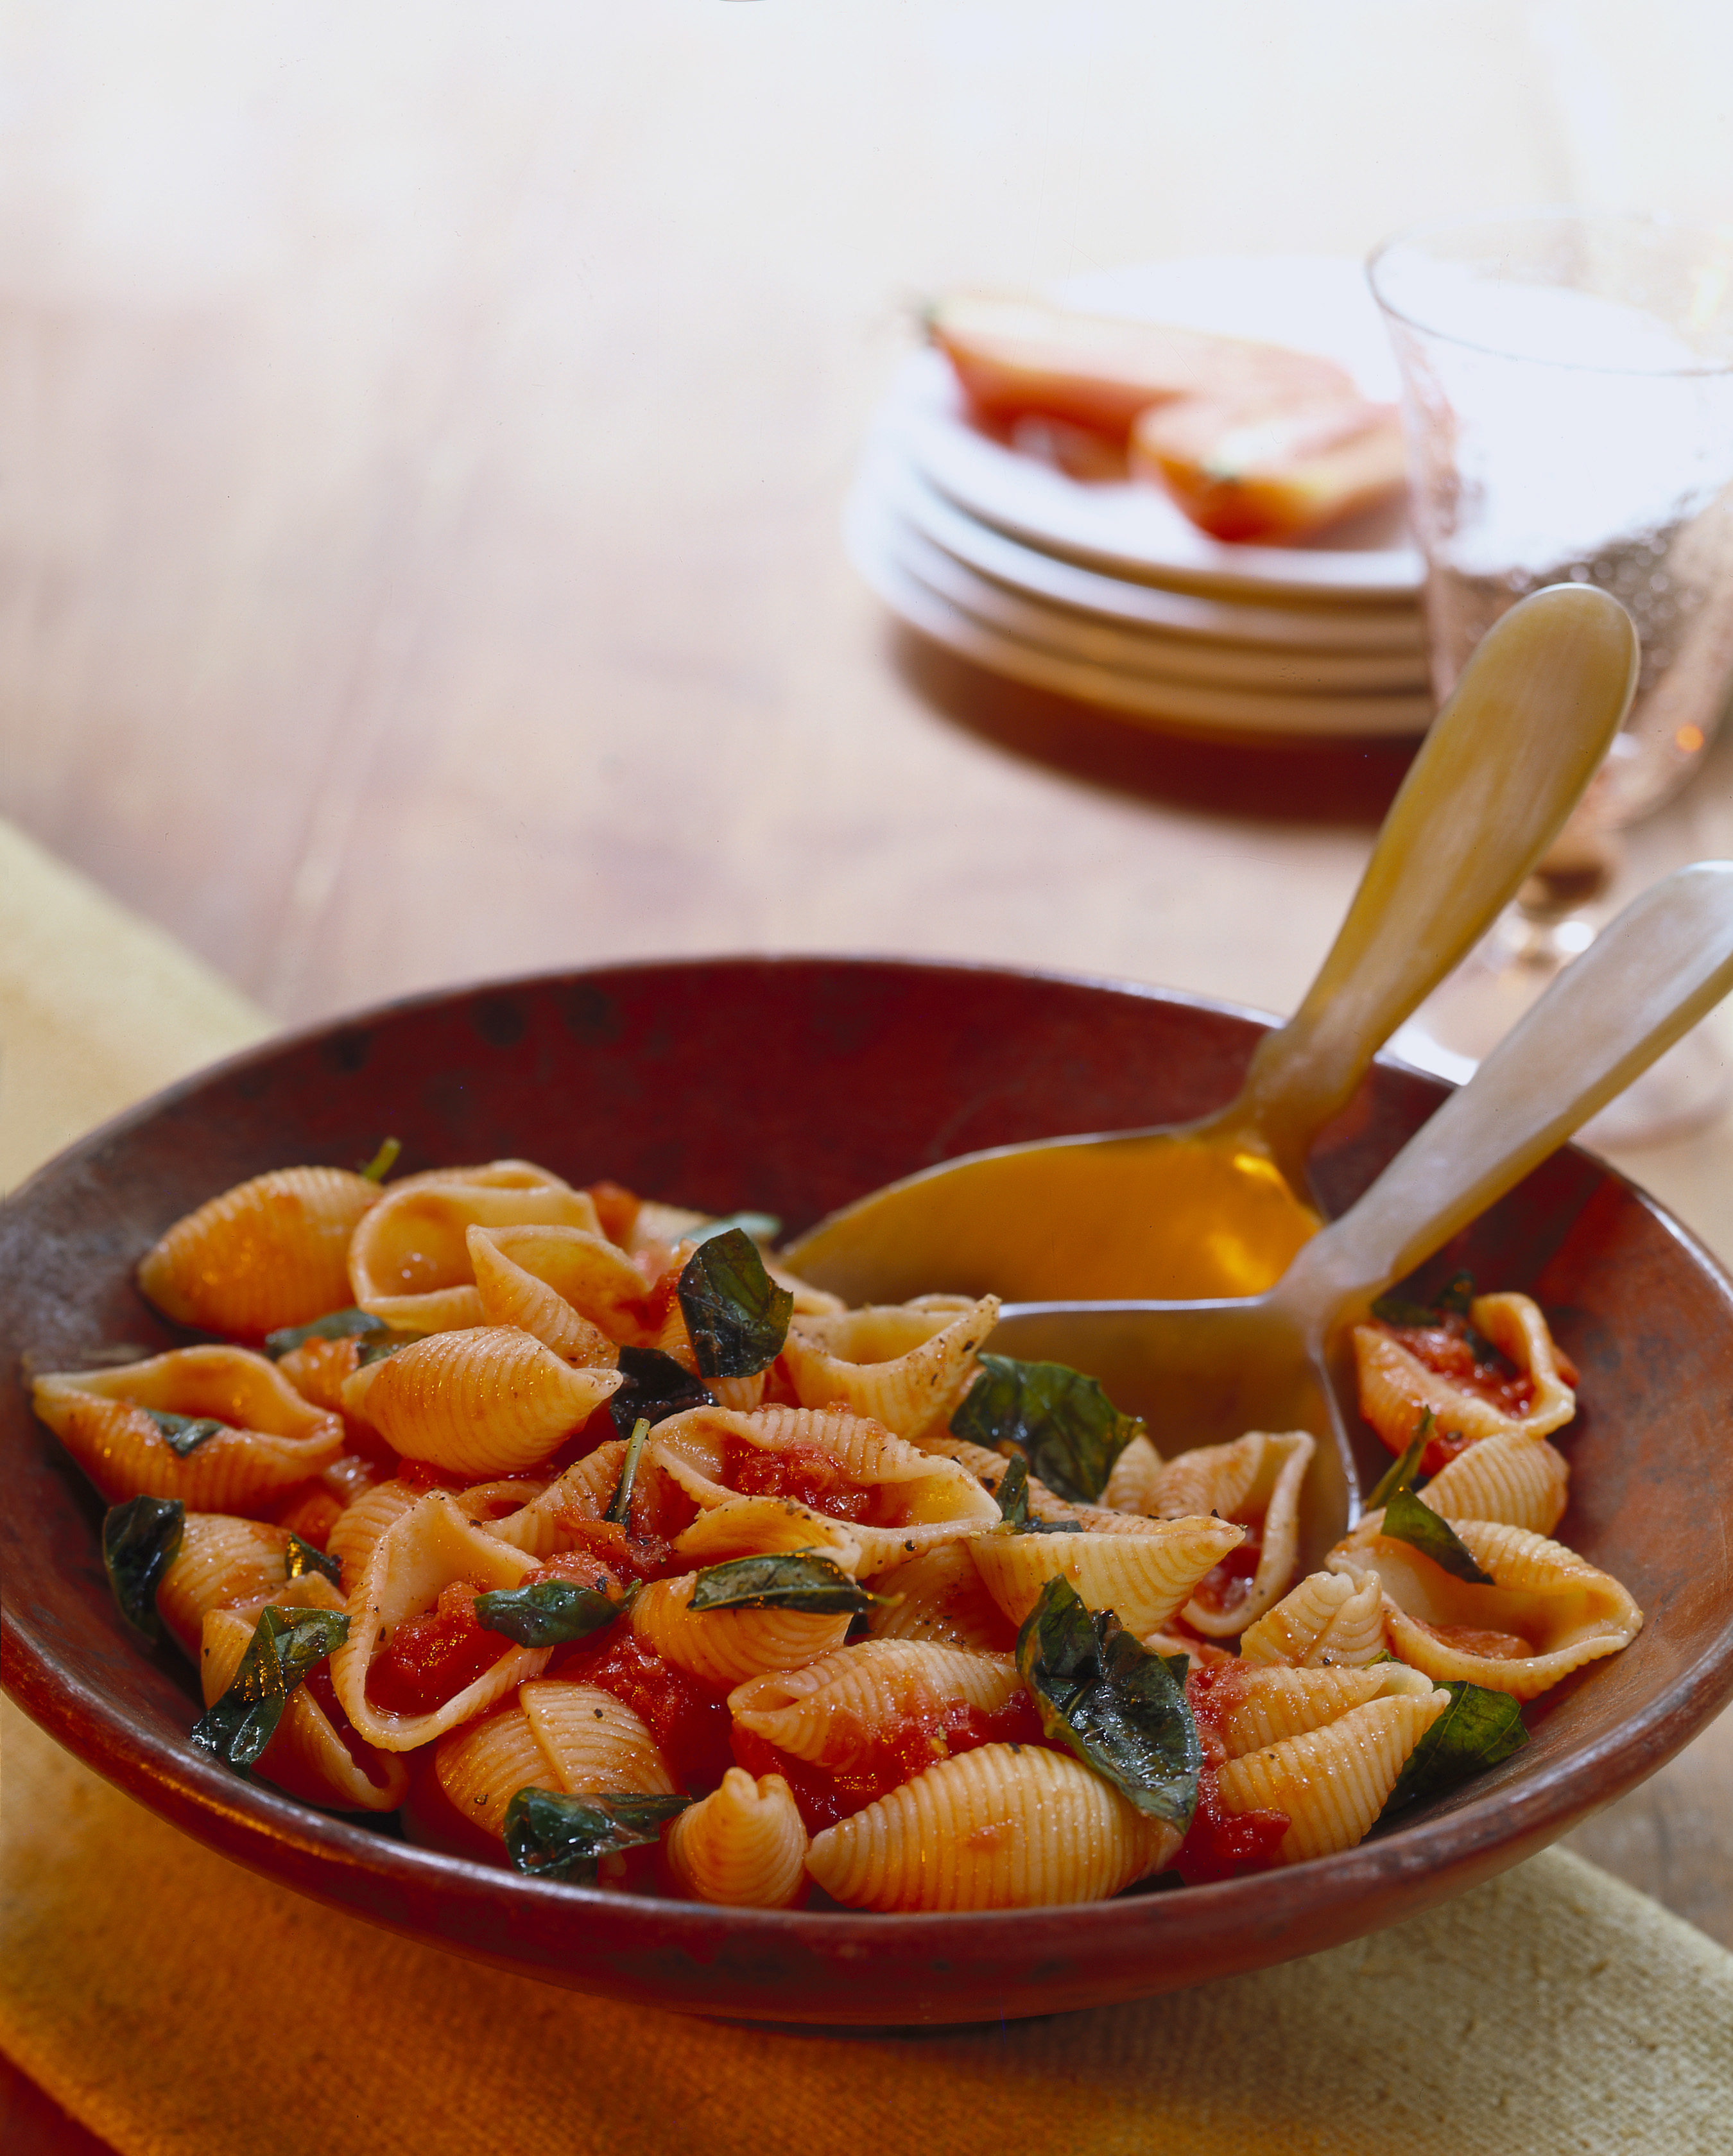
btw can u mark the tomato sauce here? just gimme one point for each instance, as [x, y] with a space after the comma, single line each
[1220, 1844]
[1226, 1586]
[688, 1718]
[429, 1660]
[1472, 1640]
[318, 1682]
[1446, 1350]
[807, 1474]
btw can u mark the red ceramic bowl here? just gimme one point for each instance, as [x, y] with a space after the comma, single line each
[793, 1085]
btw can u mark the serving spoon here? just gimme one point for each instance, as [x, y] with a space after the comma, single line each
[1220, 1206]
[1202, 1372]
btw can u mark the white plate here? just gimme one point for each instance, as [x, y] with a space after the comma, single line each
[1395, 633]
[1317, 674]
[1314, 303]
[1185, 705]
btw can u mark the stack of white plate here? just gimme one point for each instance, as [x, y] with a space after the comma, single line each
[1102, 590]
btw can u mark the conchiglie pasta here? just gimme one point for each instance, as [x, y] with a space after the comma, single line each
[488, 1401]
[271, 1439]
[1254, 1481]
[727, 1646]
[1396, 1389]
[904, 1365]
[1143, 1577]
[1250, 1705]
[222, 1561]
[270, 1252]
[1326, 1619]
[481, 1765]
[513, 1268]
[306, 1755]
[758, 1527]
[940, 1597]
[578, 1497]
[1331, 1783]
[409, 1262]
[593, 1740]
[743, 1845]
[831, 1711]
[1519, 1481]
[1005, 1826]
[351, 1540]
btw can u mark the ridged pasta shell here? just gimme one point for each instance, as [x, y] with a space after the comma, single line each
[1257, 1705]
[426, 1549]
[222, 1561]
[481, 1765]
[743, 1846]
[1005, 1826]
[409, 1261]
[1396, 1389]
[988, 1469]
[830, 1711]
[1326, 1619]
[1256, 1481]
[1544, 1597]
[900, 1364]
[1332, 1783]
[591, 1740]
[1143, 1577]
[759, 1526]
[488, 1401]
[918, 1500]
[273, 1438]
[727, 1646]
[1134, 1483]
[306, 1755]
[270, 1252]
[809, 1301]
[940, 1597]
[1521, 1481]
[583, 1493]
[352, 1541]
[512, 1268]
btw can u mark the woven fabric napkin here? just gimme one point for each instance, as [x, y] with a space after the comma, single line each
[179, 2006]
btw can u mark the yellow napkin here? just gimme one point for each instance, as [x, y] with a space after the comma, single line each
[174, 2003]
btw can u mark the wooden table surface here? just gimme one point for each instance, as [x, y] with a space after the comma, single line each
[423, 433]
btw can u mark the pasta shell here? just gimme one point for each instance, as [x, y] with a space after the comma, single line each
[306, 1756]
[1521, 1481]
[222, 1561]
[743, 1845]
[988, 1469]
[352, 1541]
[727, 1646]
[1332, 1783]
[1255, 1481]
[270, 1252]
[593, 1741]
[901, 1365]
[1134, 1484]
[582, 1493]
[940, 1597]
[758, 1527]
[271, 1439]
[1143, 1577]
[1252, 1706]
[486, 1402]
[1396, 1389]
[517, 1270]
[1326, 1620]
[1005, 1826]
[1547, 1613]
[409, 1261]
[831, 1711]
[428, 1547]
[915, 1499]
[482, 1765]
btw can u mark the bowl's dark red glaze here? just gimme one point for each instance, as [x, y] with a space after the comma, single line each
[794, 1085]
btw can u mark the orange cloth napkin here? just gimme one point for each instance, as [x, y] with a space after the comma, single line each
[179, 2006]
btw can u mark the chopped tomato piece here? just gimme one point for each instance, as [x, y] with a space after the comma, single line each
[1226, 1585]
[430, 1660]
[688, 1718]
[1446, 1350]
[1471, 1639]
[806, 1473]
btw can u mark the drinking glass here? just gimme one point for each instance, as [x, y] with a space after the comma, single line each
[1567, 394]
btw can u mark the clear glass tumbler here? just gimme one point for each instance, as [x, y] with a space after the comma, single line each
[1568, 384]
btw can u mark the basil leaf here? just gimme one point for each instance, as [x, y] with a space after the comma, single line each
[1062, 1422]
[797, 1579]
[140, 1540]
[1404, 1473]
[392, 1343]
[550, 1836]
[620, 1507]
[1013, 1496]
[654, 1387]
[383, 1162]
[335, 1324]
[1476, 1731]
[1454, 1300]
[1396, 1310]
[762, 1227]
[737, 1316]
[184, 1433]
[301, 1559]
[547, 1612]
[1119, 1708]
[287, 1644]
[1407, 1520]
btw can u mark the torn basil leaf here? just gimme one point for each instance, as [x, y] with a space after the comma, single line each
[1062, 1422]
[335, 1325]
[1453, 1301]
[551, 1836]
[762, 1227]
[546, 1614]
[184, 1433]
[619, 1508]
[383, 1162]
[1476, 1731]
[140, 1540]
[796, 1579]
[388, 1343]
[1404, 1473]
[301, 1559]
[286, 1645]
[1119, 1708]
[737, 1316]
[653, 1387]
[1407, 1520]
[1013, 1496]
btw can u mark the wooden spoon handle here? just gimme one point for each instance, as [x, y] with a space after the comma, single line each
[1644, 980]
[1505, 763]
